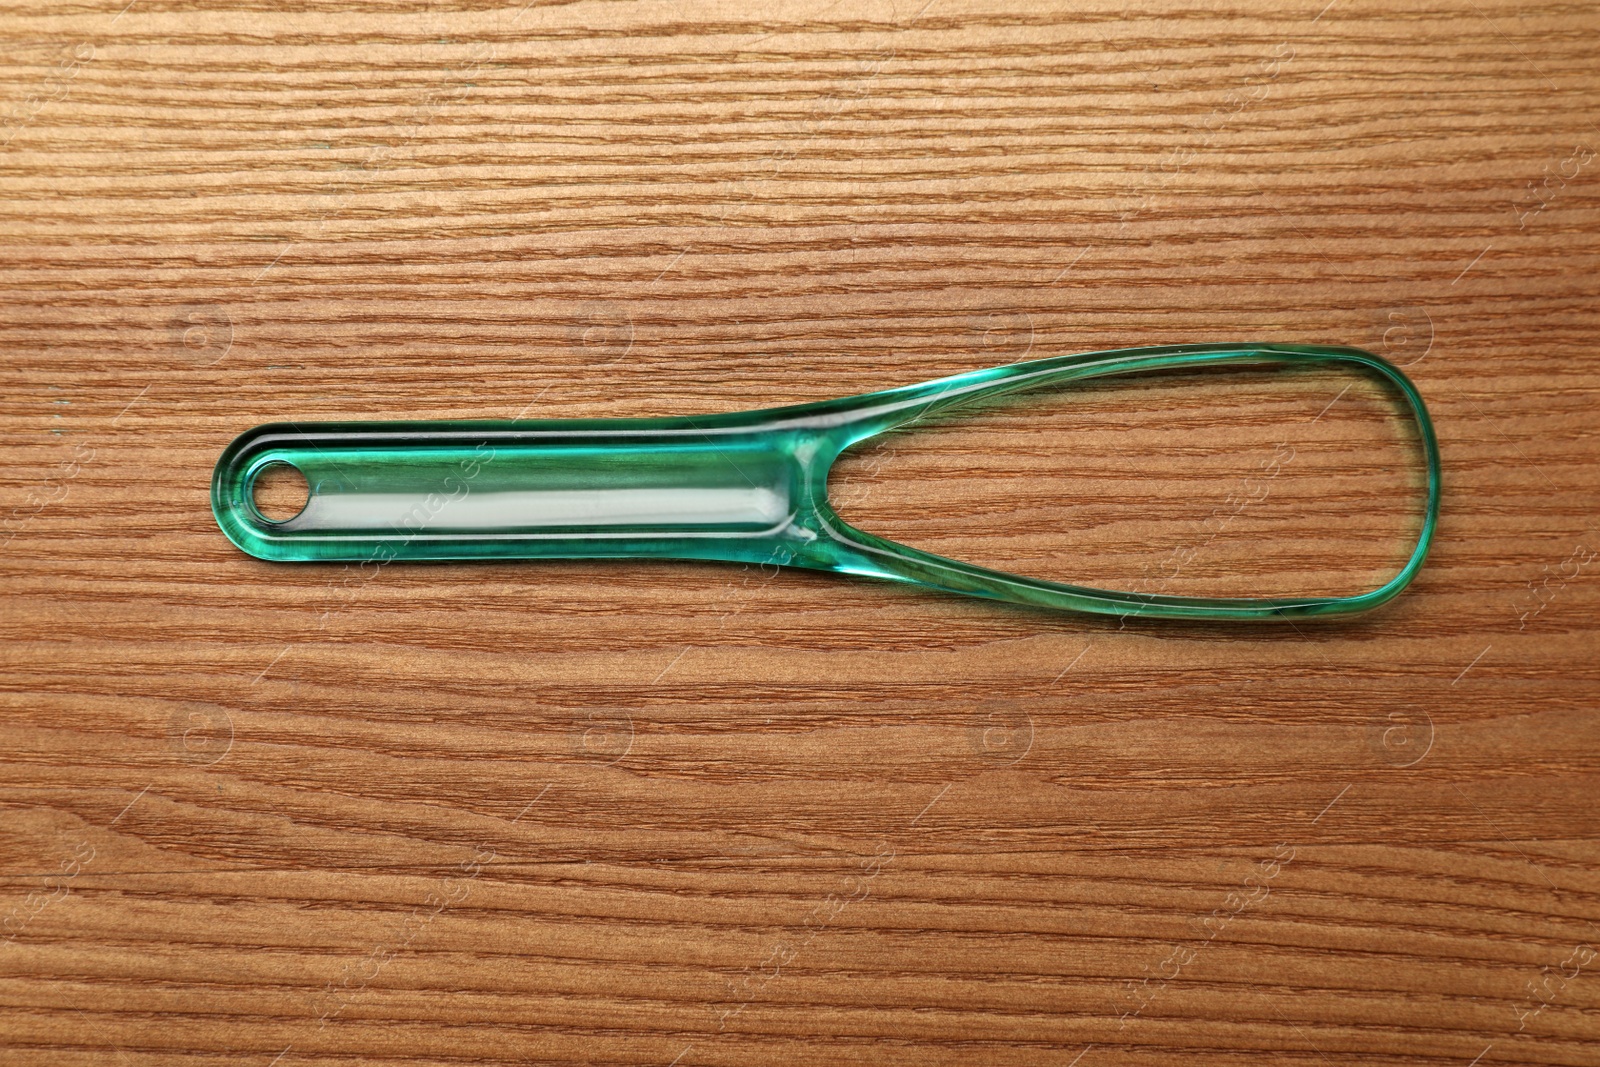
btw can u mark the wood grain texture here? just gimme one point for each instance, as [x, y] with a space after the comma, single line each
[693, 814]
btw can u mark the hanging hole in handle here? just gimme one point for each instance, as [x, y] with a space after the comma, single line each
[279, 492]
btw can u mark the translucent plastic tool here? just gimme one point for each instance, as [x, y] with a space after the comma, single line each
[750, 486]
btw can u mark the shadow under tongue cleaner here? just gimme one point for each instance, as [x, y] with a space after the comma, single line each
[750, 486]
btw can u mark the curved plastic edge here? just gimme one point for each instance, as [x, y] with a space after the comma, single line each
[858, 552]
[232, 481]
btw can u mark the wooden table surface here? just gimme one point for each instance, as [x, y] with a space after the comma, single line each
[695, 814]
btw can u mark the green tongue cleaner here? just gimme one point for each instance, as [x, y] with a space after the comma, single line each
[750, 486]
